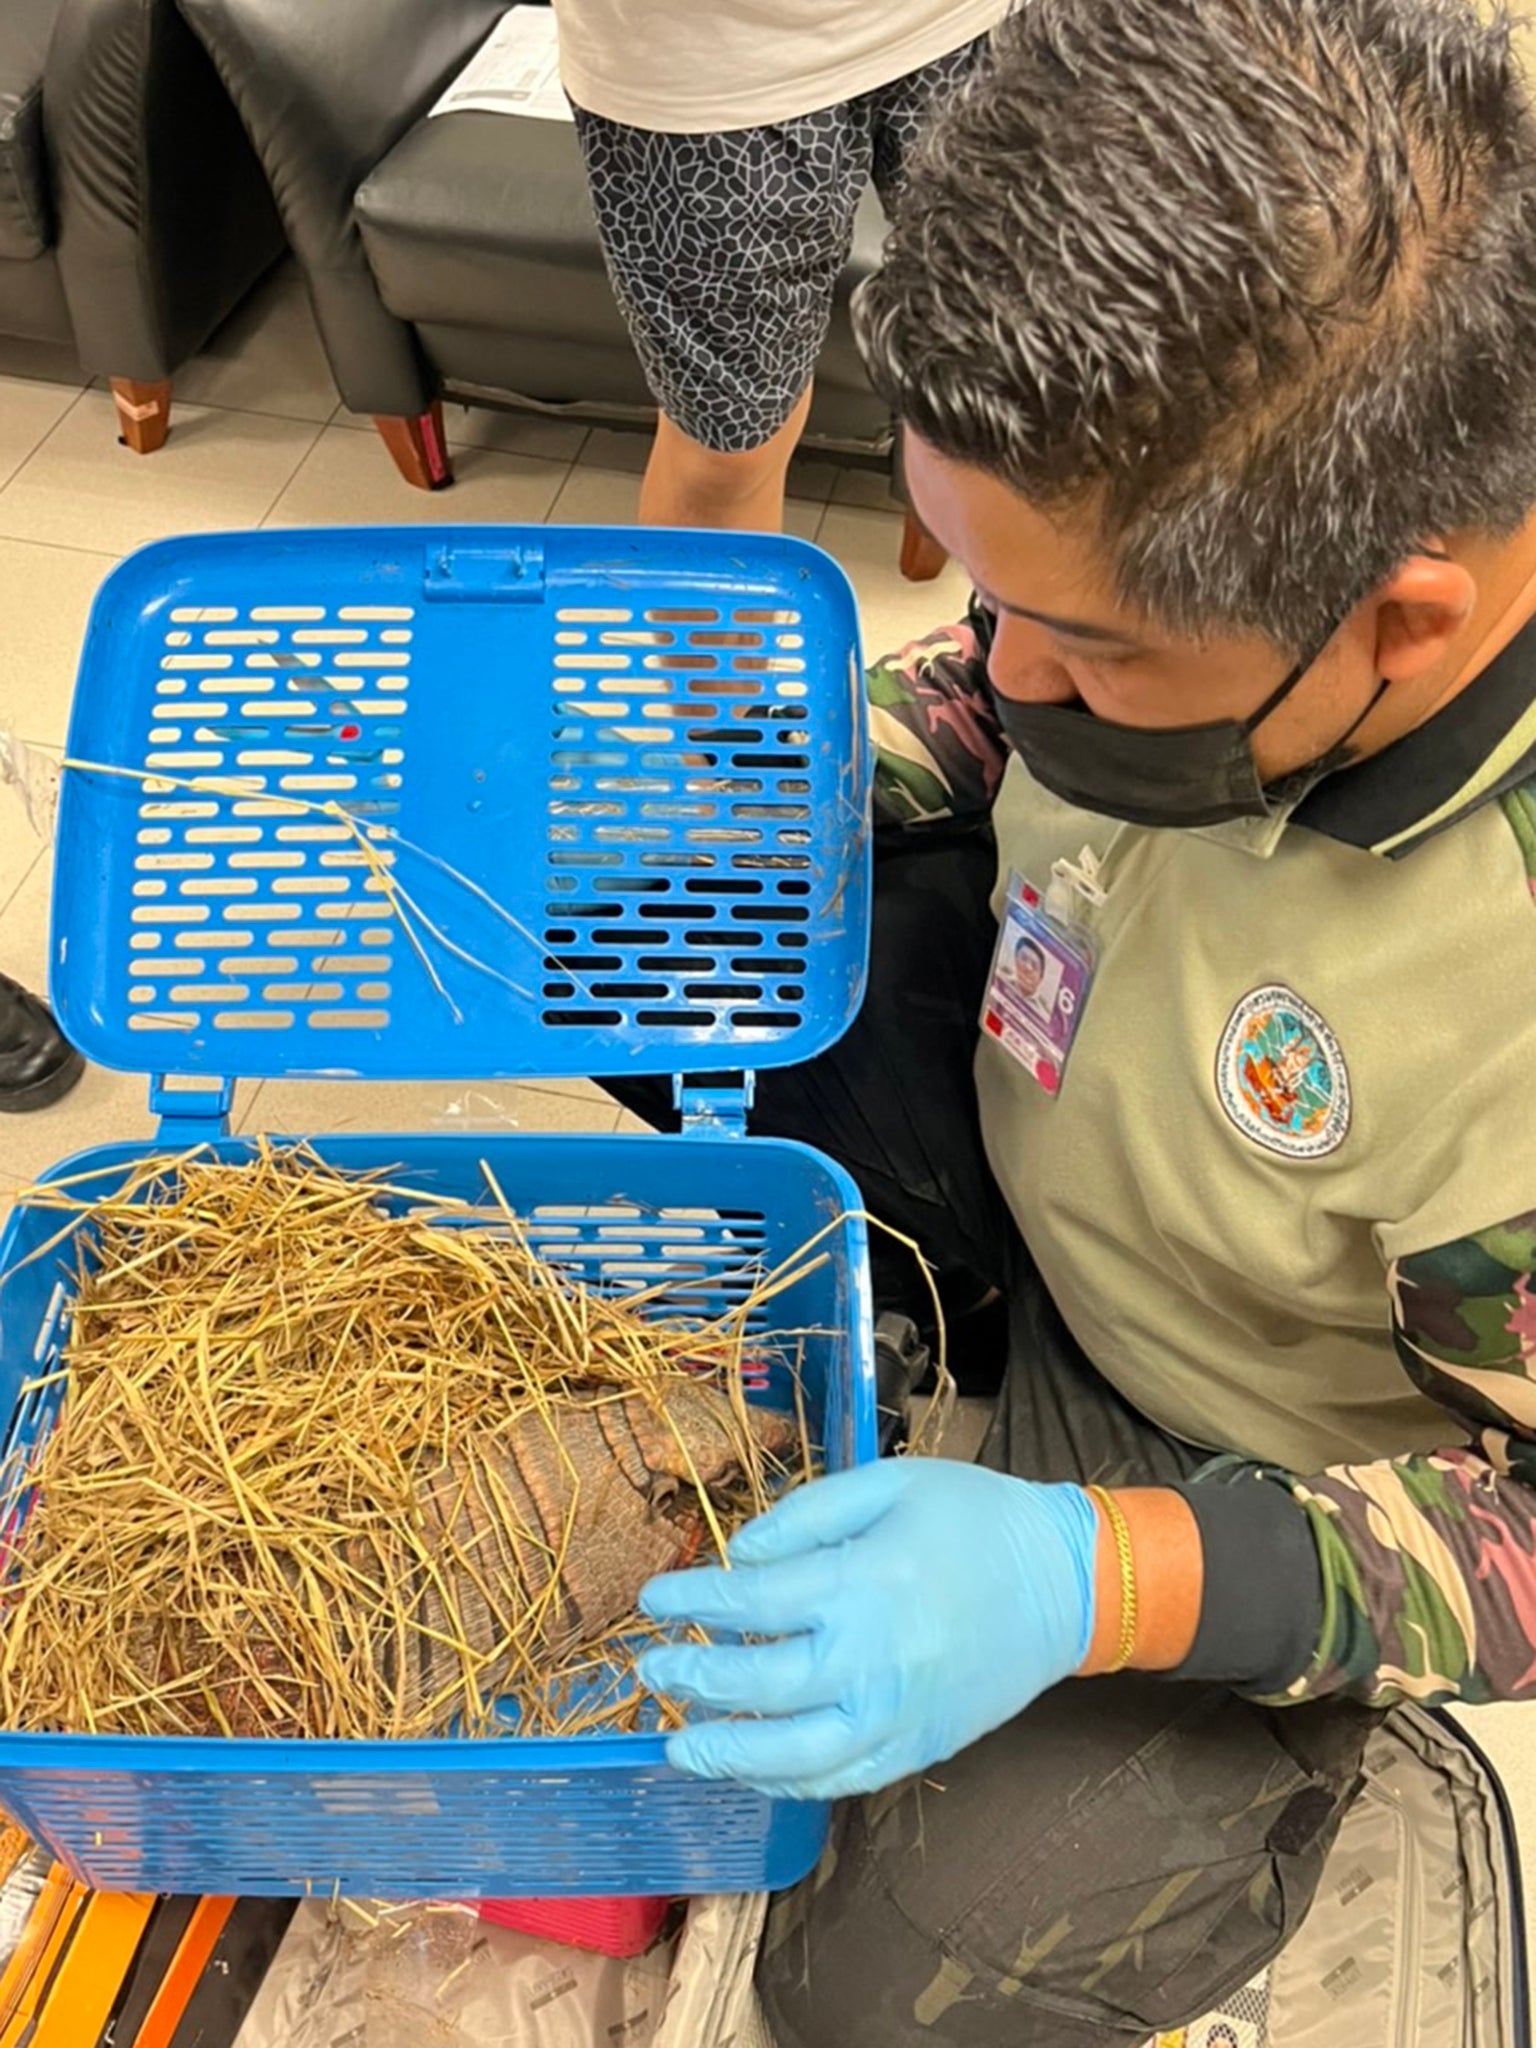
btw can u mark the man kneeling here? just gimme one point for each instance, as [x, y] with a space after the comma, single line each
[1212, 324]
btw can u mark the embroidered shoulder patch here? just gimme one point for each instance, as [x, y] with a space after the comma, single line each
[1281, 1075]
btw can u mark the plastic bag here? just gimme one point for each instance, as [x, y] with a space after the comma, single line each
[35, 778]
[18, 1896]
[438, 1977]
[712, 2003]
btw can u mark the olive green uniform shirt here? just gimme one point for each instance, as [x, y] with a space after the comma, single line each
[1286, 1196]
[1221, 1264]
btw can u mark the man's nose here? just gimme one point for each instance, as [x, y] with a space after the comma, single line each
[1024, 665]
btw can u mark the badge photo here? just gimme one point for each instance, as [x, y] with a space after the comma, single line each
[1281, 1075]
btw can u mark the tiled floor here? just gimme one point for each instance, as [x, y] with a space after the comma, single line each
[260, 440]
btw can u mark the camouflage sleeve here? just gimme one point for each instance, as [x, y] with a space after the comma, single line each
[938, 750]
[1429, 1563]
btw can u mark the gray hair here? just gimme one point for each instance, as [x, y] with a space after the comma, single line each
[1251, 281]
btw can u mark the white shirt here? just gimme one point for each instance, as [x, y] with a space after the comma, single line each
[695, 67]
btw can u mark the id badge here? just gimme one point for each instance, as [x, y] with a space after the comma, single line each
[1041, 973]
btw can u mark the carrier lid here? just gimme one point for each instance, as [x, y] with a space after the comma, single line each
[465, 801]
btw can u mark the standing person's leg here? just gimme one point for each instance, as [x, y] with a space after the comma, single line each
[689, 484]
[724, 253]
[899, 112]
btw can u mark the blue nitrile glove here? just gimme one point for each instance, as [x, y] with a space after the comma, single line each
[916, 1604]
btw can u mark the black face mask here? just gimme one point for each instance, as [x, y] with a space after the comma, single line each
[1182, 776]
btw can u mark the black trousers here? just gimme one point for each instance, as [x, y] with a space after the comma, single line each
[1129, 1850]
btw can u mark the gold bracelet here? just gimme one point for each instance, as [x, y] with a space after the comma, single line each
[1120, 1531]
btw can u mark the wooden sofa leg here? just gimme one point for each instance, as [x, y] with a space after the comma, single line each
[143, 413]
[921, 557]
[419, 446]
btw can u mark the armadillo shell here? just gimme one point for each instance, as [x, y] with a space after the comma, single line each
[528, 1544]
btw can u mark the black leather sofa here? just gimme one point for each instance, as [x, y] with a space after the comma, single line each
[456, 256]
[134, 214]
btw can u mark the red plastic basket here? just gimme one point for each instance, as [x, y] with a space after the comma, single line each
[613, 1927]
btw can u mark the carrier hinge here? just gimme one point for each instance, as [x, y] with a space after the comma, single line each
[190, 1111]
[715, 1107]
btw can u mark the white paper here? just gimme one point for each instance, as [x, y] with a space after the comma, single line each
[516, 70]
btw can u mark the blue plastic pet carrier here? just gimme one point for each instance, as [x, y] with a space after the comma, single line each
[430, 804]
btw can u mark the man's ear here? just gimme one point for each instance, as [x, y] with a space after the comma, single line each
[1420, 610]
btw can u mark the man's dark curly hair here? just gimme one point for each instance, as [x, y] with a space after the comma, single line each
[1253, 282]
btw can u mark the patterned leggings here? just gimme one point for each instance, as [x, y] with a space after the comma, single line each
[725, 250]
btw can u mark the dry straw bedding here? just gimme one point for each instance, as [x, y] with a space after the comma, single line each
[335, 1459]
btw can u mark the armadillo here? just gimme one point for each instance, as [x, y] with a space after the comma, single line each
[530, 1542]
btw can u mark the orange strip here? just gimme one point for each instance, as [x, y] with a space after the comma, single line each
[40, 1922]
[181, 1979]
[63, 1899]
[91, 1975]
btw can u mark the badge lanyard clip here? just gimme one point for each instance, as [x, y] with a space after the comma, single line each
[1084, 880]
